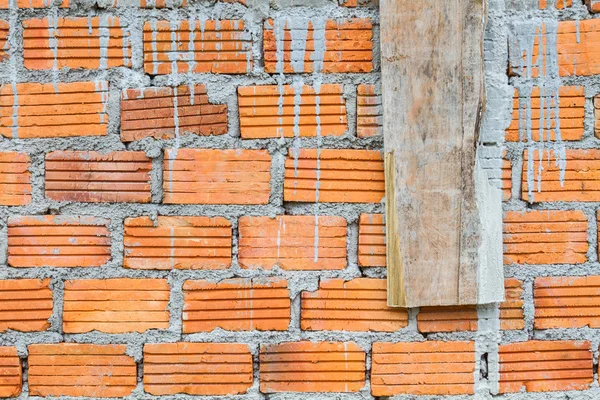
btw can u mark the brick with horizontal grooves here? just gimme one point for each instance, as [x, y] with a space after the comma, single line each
[11, 373]
[498, 168]
[559, 4]
[6, 4]
[447, 319]
[4, 43]
[369, 111]
[511, 310]
[15, 179]
[371, 240]
[26, 305]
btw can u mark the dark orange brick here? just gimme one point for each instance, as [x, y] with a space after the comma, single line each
[25, 305]
[511, 310]
[369, 111]
[202, 369]
[236, 305]
[11, 373]
[15, 179]
[165, 113]
[423, 368]
[292, 111]
[560, 4]
[4, 31]
[371, 240]
[447, 319]
[593, 5]
[293, 242]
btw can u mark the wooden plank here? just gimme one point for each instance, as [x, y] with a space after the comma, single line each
[433, 96]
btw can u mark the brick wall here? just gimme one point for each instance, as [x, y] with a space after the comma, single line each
[192, 202]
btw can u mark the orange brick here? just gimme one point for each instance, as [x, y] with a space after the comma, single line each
[423, 368]
[447, 319]
[541, 107]
[371, 240]
[150, 112]
[597, 111]
[6, 4]
[348, 3]
[202, 369]
[4, 44]
[94, 43]
[292, 242]
[580, 182]
[540, 366]
[37, 110]
[347, 47]
[356, 305]
[369, 111]
[292, 111]
[116, 305]
[511, 310]
[177, 243]
[201, 176]
[80, 370]
[15, 179]
[545, 237]
[312, 367]
[559, 4]
[26, 305]
[150, 3]
[235, 1]
[58, 241]
[566, 302]
[236, 305]
[334, 176]
[11, 373]
[593, 5]
[222, 47]
[89, 176]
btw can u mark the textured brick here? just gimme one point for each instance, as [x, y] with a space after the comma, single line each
[6, 4]
[593, 5]
[4, 44]
[177, 243]
[292, 111]
[236, 305]
[115, 305]
[197, 368]
[539, 366]
[71, 369]
[94, 43]
[371, 240]
[165, 112]
[447, 319]
[425, 368]
[356, 305]
[37, 110]
[222, 47]
[58, 241]
[511, 310]
[199, 176]
[560, 4]
[566, 302]
[318, 46]
[15, 179]
[581, 181]
[498, 167]
[25, 305]
[293, 242]
[88, 176]
[597, 114]
[334, 176]
[369, 111]
[312, 367]
[11, 373]
[545, 237]
[536, 111]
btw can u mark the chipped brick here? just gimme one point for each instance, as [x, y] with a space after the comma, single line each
[511, 310]
[11, 373]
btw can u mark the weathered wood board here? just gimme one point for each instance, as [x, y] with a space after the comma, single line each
[443, 218]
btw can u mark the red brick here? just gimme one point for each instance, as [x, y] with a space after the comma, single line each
[11, 372]
[25, 304]
[177, 243]
[566, 302]
[38, 110]
[541, 108]
[116, 305]
[545, 237]
[593, 5]
[371, 240]
[348, 46]
[58, 241]
[222, 47]
[15, 179]
[511, 310]
[79, 43]
[202, 369]
[356, 305]
[334, 176]
[447, 319]
[293, 242]
[236, 305]
[89, 176]
[423, 368]
[369, 111]
[80, 370]
[559, 4]
[312, 367]
[201, 176]
[149, 112]
[6, 4]
[291, 111]
[539, 366]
